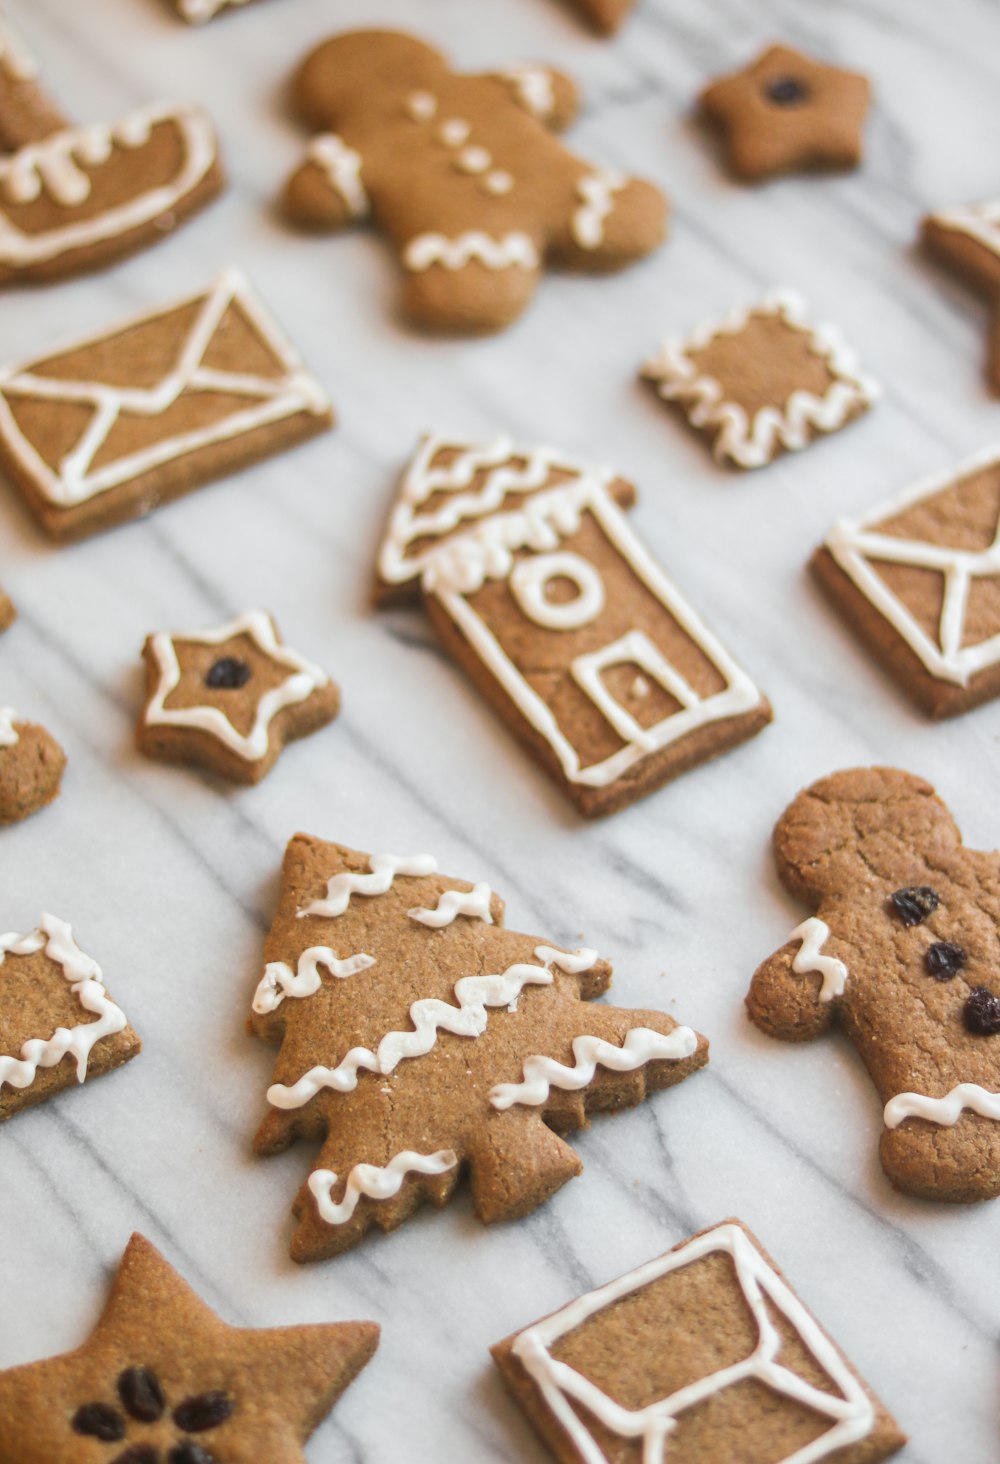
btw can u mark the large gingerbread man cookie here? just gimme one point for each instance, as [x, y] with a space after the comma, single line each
[901, 953]
[463, 174]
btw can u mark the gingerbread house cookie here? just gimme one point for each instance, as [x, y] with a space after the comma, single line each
[538, 586]
[464, 175]
[113, 426]
[31, 767]
[704, 1354]
[420, 1040]
[918, 580]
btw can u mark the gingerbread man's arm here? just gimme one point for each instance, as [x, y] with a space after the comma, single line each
[794, 993]
[610, 220]
[327, 190]
[545, 93]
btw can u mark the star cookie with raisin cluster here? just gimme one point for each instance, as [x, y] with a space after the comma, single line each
[787, 113]
[162, 1380]
[229, 699]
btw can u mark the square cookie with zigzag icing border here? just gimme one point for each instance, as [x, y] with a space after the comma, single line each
[702, 1356]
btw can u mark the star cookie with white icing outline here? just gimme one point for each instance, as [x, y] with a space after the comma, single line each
[463, 174]
[420, 1041]
[901, 954]
[966, 238]
[703, 1354]
[31, 767]
[762, 381]
[162, 1380]
[58, 1025]
[228, 699]
[788, 113]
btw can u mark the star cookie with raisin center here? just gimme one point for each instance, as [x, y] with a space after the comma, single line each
[229, 699]
[162, 1380]
[787, 113]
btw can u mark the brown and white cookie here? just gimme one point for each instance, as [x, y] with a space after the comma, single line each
[75, 198]
[31, 767]
[464, 175]
[8, 611]
[161, 1380]
[918, 580]
[763, 381]
[111, 427]
[540, 589]
[605, 15]
[58, 1025]
[228, 699]
[902, 954]
[966, 238]
[705, 1354]
[788, 113]
[421, 1041]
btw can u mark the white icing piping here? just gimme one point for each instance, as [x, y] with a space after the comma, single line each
[565, 1391]
[572, 962]
[534, 88]
[814, 933]
[304, 678]
[341, 166]
[270, 399]
[641, 1046]
[384, 869]
[196, 12]
[83, 974]
[53, 163]
[530, 577]
[9, 735]
[377, 1183]
[279, 980]
[945, 1111]
[596, 193]
[513, 248]
[980, 221]
[474, 903]
[853, 543]
[421, 106]
[752, 443]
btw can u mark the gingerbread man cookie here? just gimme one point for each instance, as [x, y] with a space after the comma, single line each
[420, 1040]
[75, 198]
[8, 611]
[788, 113]
[228, 699]
[31, 767]
[901, 953]
[161, 1380]
[464, 175]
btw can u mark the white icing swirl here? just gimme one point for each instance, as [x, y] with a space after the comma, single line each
[341, 166]
[279, 980]
[966, 1097]
[9, 735]
[642, 1045]
[534, 88]
[510, 249]
[530, 577]
[474, 903]
[596, 192]
[814, 933]
[374, 1181]
[383, 870]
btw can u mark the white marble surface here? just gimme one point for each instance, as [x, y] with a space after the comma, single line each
[170, 879]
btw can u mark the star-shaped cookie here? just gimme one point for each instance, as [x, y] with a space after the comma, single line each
[229, 699]
[787, 113]
[161, 1380]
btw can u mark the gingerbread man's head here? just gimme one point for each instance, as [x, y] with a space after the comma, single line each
[903, 952]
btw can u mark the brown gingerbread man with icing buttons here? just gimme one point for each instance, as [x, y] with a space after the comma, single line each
[463, 173]
[903, 953]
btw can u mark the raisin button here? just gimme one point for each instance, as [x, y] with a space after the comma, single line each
[139, 1454]
[915, 903]
[944, 960]
[141, 1394]
[190, 1453]
[99, 1421]
[228, 674]
[204, 1410]
[787, 91]
[982, 1012]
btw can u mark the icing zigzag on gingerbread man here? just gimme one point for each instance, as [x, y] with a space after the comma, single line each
[464, 175]
[902, 953]
[420, 1039]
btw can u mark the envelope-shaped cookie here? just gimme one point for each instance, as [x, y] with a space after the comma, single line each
[918, 579]
[703, 1354]
[108, 429]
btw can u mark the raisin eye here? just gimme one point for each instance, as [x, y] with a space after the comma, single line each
[982, 1012]
[914, 904]
[190, 1453]
[205, 1410]
[944, 960]
[141, 1394]
[787, 91]
[228, 674]
[99, 1421]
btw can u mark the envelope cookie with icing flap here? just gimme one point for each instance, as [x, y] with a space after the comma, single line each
[78, 197]
[110, 428]
[701, 1356]
[463, 173]
[900, 954]
[918, 581]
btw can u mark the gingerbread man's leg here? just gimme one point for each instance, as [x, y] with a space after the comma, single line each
[959, 1162]
[472, 283]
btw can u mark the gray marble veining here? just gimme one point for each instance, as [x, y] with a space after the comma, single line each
[170, 879]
